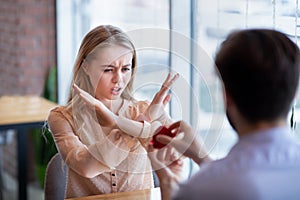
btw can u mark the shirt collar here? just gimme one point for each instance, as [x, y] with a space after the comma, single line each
[271, 133]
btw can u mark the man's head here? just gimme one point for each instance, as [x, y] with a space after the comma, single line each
[260, 72]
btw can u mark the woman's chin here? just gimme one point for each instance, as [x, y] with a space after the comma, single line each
[115, 97]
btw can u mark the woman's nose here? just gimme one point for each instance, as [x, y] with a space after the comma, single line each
[117, 77]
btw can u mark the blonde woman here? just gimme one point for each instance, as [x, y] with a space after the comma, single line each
[102, 131]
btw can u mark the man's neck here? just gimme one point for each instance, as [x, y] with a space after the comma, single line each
[248, 128]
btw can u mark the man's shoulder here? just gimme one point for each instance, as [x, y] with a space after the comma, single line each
[225, 183]
[210, 183]
[258, 173]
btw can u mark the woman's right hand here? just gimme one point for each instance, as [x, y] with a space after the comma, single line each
[104, 115]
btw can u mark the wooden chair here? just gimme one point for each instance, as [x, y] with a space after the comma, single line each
[55, 179]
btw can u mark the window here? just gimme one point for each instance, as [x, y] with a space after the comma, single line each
[198, 27]
[77, 17]
[214, 20]
[147, 23]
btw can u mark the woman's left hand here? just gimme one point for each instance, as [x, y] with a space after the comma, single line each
[104, 115]
[159, 101]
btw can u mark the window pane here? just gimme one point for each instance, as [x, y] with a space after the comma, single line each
[129, 15]
[219, 17]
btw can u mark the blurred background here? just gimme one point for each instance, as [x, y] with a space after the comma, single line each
[39, 40]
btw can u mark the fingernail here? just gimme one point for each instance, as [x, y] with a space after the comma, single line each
[158, 138]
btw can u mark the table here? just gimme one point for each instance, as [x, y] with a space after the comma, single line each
[147, 194]
[22, 113]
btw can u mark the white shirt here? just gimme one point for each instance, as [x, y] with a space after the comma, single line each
[263, 165]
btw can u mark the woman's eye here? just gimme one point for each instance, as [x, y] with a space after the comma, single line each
[126, 69]
[108, 70]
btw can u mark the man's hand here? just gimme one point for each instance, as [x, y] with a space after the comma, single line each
[187, 142]
[168, 167]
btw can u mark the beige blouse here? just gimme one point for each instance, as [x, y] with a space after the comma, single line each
[114, 162]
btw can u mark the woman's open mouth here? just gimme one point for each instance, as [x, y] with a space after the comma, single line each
[116, 90]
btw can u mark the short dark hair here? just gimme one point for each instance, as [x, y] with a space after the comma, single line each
[260, 71]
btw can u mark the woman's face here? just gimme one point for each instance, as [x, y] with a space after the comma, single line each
[110, 71]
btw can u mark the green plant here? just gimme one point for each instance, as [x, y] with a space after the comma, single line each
[43, 143]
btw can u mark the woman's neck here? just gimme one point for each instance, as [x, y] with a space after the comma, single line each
[113, 105]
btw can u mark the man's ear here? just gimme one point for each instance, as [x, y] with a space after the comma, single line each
[228, 99]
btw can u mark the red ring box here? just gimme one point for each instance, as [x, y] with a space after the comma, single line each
[162, 130]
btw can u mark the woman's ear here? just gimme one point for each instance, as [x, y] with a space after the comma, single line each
[84, 66]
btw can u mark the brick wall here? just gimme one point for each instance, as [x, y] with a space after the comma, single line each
[27, 51]
[27, 45]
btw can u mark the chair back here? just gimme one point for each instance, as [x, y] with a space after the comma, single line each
[55, 179]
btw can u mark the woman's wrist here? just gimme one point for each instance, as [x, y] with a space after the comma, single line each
[142, 118]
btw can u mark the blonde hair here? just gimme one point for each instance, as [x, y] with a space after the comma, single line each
[101, 37]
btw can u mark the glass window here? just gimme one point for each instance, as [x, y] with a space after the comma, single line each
[203, 24]
[214, 20]
[77, 17]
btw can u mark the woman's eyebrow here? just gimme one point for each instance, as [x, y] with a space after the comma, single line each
[107, 65]
[128, 65]
[110, 65]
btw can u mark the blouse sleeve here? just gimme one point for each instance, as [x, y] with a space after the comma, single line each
[73, 151]
[142, 129]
